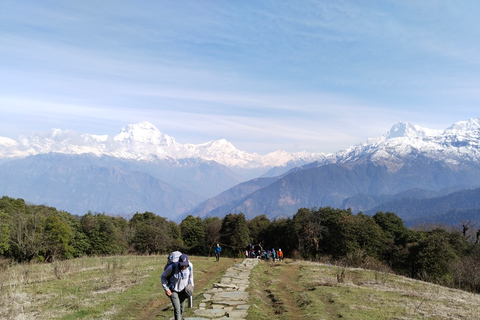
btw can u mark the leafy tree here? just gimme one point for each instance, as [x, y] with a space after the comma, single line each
[393, 227]
[56, 239]
[368, 235]
[337, 239]
[460, 244]
[336, 232]
[234, 234]
[150, 233]
[309, 231]
[212, 233]
[175, 235]
[258, 229]
[156, 235]
[102, 234]
[396, 242]
[193, 234]
[431, 256]
[79, 241]
[12, 206]
[123, 232]
[281, 235]
[139, 218]
[4, 232]
[26, 233]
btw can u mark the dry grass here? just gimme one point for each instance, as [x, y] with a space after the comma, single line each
[128, 287]
[318, 291]
[120, 287]
[46, 291]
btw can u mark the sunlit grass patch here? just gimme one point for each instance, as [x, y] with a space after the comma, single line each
[79, 287]
[321, 291]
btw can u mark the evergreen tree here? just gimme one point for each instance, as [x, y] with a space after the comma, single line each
[234, 234]
[193, 235]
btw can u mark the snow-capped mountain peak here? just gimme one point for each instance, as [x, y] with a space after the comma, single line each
[463, 128]
[459, 142]
[408, 130]
[140, 141]
[7, 142]
[143, 141]
[144, 132]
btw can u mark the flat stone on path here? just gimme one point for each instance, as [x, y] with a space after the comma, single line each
[231, 295]
[228, 299]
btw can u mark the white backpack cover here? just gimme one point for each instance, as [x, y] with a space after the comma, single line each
[172, 258]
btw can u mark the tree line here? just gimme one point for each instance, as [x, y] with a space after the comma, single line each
[446, 256]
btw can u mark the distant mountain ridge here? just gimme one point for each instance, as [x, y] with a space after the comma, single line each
[456, 144]
[144, 169]
[450, 208]
[83, 183]
[144, 142]
[407, 157]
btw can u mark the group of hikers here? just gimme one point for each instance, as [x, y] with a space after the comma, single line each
[276, 255]
[177, 276]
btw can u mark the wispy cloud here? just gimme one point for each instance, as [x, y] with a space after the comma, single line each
[314, 75]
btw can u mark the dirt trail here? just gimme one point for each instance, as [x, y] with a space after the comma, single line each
[282, 298]
[160, 308]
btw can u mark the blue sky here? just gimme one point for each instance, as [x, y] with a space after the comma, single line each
[274, 75]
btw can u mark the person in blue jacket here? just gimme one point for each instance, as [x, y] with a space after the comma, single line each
[217, 252]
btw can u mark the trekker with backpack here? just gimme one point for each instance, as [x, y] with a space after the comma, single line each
[177, 281]
[217, 252]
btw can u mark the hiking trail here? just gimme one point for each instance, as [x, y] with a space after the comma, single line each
[227, 299]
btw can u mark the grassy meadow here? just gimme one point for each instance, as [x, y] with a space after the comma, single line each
[307, 290]
[128, 287]
[117, 287]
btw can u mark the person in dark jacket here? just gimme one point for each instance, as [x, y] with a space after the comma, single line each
[181, 281]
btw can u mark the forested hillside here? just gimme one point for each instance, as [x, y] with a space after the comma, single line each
[32, 233]
[449, 209]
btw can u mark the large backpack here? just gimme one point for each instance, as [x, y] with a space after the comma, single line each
[172, 258]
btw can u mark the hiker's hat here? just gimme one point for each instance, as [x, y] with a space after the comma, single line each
[183, 260]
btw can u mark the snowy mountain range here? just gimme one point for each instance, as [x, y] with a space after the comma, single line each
[407, 162]
[460, 142]
[143, 169]
[144, 142]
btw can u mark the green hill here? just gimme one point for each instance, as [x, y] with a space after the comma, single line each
[128, 287]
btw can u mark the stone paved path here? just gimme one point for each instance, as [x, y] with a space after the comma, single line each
[227, 299]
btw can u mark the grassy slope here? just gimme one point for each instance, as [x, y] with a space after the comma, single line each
[304, 290]
[128, 287]
[123, 287]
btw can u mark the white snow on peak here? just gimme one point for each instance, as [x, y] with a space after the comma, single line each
[459, 142]
[143, 141]
[8, 142]
[464, 127]
[144, 132]
[408, 130]
[99, 138]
